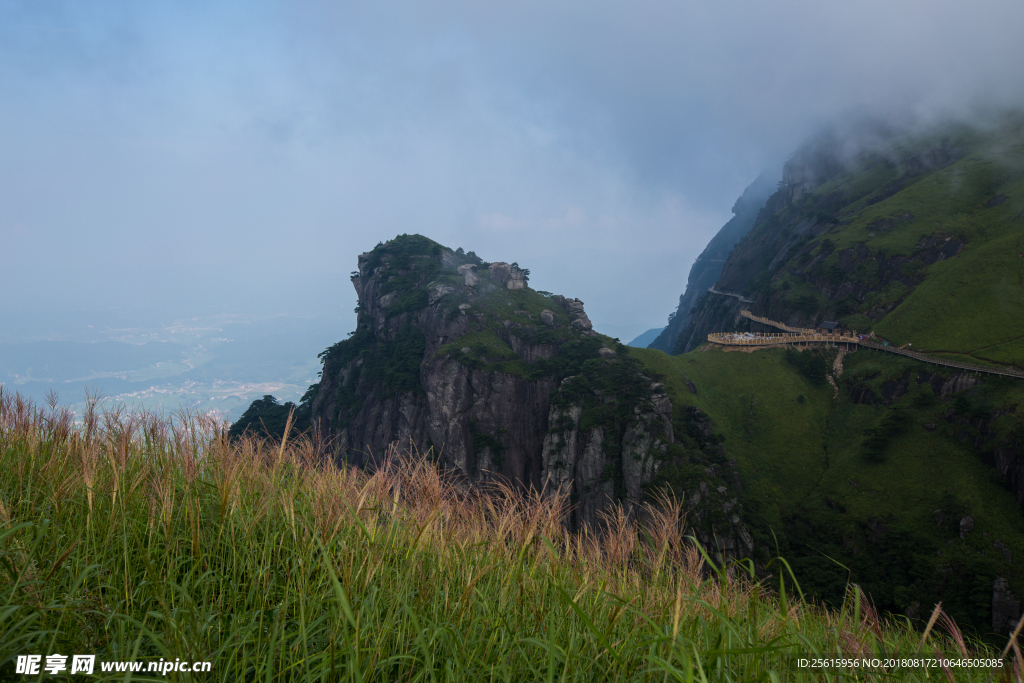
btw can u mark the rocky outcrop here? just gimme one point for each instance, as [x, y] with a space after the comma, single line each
[966, 526]
[448, 356]
[509, 276]
[578, 317]
[468, 271]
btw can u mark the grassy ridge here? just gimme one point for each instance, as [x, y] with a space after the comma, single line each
[133, 537]
[754, 400]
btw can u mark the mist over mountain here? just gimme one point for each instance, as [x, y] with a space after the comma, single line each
[228, 155]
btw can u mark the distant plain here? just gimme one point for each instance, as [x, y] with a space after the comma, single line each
[216, 362]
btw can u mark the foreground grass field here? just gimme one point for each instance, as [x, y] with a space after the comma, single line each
[133, 537]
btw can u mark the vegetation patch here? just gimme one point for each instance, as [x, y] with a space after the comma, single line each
[877, 439]
[387, 365]
[810, 363]
[404, 253]
[485, 351]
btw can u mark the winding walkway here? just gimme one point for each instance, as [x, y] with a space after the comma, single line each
[715, 291]
[773, 323]
[803, 335]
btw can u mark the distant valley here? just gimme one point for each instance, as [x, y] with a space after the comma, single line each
[213, 363]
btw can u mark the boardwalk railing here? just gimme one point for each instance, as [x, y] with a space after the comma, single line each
[988, 369]
[802, 335]
[746, 339]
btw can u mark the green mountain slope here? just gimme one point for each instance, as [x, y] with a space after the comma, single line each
[906, 478]
[888, 520]
[918, 239]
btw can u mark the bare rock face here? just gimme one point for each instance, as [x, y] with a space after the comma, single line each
[1005, 607]
[578, 316]
[583, 461]
[468, 270]
[957, 383]
[501, 272]
[508, 275]
[966, 526]
[438, 291]
[463, 403]
[547, 317]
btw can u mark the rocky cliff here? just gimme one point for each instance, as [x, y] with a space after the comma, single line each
[708, 266]
[461, 359]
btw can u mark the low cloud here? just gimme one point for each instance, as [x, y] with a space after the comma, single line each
[244, 153]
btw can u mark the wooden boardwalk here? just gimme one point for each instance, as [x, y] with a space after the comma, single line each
[748, 339]
[804, 336]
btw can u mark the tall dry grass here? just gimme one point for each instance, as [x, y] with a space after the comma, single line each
[133, 536]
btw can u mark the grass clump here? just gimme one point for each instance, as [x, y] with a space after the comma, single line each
[485, 350]
[138, 538]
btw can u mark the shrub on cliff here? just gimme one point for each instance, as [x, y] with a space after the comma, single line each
[267, 417]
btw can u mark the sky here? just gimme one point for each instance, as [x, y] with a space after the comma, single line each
[172, 159]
